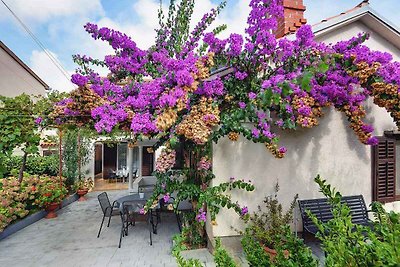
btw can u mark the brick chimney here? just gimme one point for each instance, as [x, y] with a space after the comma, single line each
[293, 18]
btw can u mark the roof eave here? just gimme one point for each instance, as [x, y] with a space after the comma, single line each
[326, 26]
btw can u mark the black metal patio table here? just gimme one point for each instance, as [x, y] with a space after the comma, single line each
[129, 206]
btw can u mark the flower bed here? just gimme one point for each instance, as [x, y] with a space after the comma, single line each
[27, 197]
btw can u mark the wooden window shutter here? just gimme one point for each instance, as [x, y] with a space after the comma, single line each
[384, 170]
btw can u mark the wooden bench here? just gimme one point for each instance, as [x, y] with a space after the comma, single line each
[322, 209]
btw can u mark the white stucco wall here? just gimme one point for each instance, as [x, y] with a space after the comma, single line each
[15, 80]
[330, 149]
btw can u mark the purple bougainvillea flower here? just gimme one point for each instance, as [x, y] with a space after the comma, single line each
[367, 128]
[201, 216]
[255, 133]
[38, 120]
[279, 123]
[252, 95]
[166, 197]
[242, 105]
[244, 211]
[240, 75]
[79, 79]
[372, 141]
[282, 150]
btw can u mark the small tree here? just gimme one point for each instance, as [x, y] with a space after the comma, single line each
[75, 153]
[18, 128]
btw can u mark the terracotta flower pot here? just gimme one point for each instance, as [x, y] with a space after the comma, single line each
[272, 253]
[81, 193]
[51, 209]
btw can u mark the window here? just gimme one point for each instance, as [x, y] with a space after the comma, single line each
[135, 160]
[384, 170]
[122, 155]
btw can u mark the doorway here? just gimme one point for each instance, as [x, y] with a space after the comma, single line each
[109, 160]
[98, 160]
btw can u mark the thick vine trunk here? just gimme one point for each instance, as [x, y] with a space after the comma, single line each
[22, 169]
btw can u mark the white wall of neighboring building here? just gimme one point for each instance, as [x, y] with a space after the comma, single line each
[15, 79]
[375, 42]
[330, 149]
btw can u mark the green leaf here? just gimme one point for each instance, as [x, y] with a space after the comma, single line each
[323, 67]
[286, 90]
[305, 81]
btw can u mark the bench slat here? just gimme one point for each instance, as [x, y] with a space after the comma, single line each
[322, 209]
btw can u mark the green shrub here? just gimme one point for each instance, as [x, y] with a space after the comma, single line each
[386, 238]
[176, 252]
[221, 256]
[255, 254]
[35, 165]
[348, 244]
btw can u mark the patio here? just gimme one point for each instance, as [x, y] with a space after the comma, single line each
[70, 240]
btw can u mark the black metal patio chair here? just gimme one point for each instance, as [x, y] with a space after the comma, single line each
[108, 209]
[128, 214]
[183, 207]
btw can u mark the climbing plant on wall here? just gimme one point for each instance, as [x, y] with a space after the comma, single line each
[168, 92]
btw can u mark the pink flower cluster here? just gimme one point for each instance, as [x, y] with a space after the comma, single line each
[204, 164]
[166, 160]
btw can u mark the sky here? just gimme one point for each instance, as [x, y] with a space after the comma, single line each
[58, 24]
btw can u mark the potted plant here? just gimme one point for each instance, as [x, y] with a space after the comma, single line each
[82, 187]
[51, 193]
[268, 237]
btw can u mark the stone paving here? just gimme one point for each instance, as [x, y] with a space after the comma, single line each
[71, 240]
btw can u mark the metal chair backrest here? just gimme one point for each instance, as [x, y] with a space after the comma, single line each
[105, 203]
[322, 209]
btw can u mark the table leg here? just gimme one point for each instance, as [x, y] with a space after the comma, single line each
[153, 225]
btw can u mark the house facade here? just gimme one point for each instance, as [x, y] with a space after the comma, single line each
[16, 77]
[330, 149]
